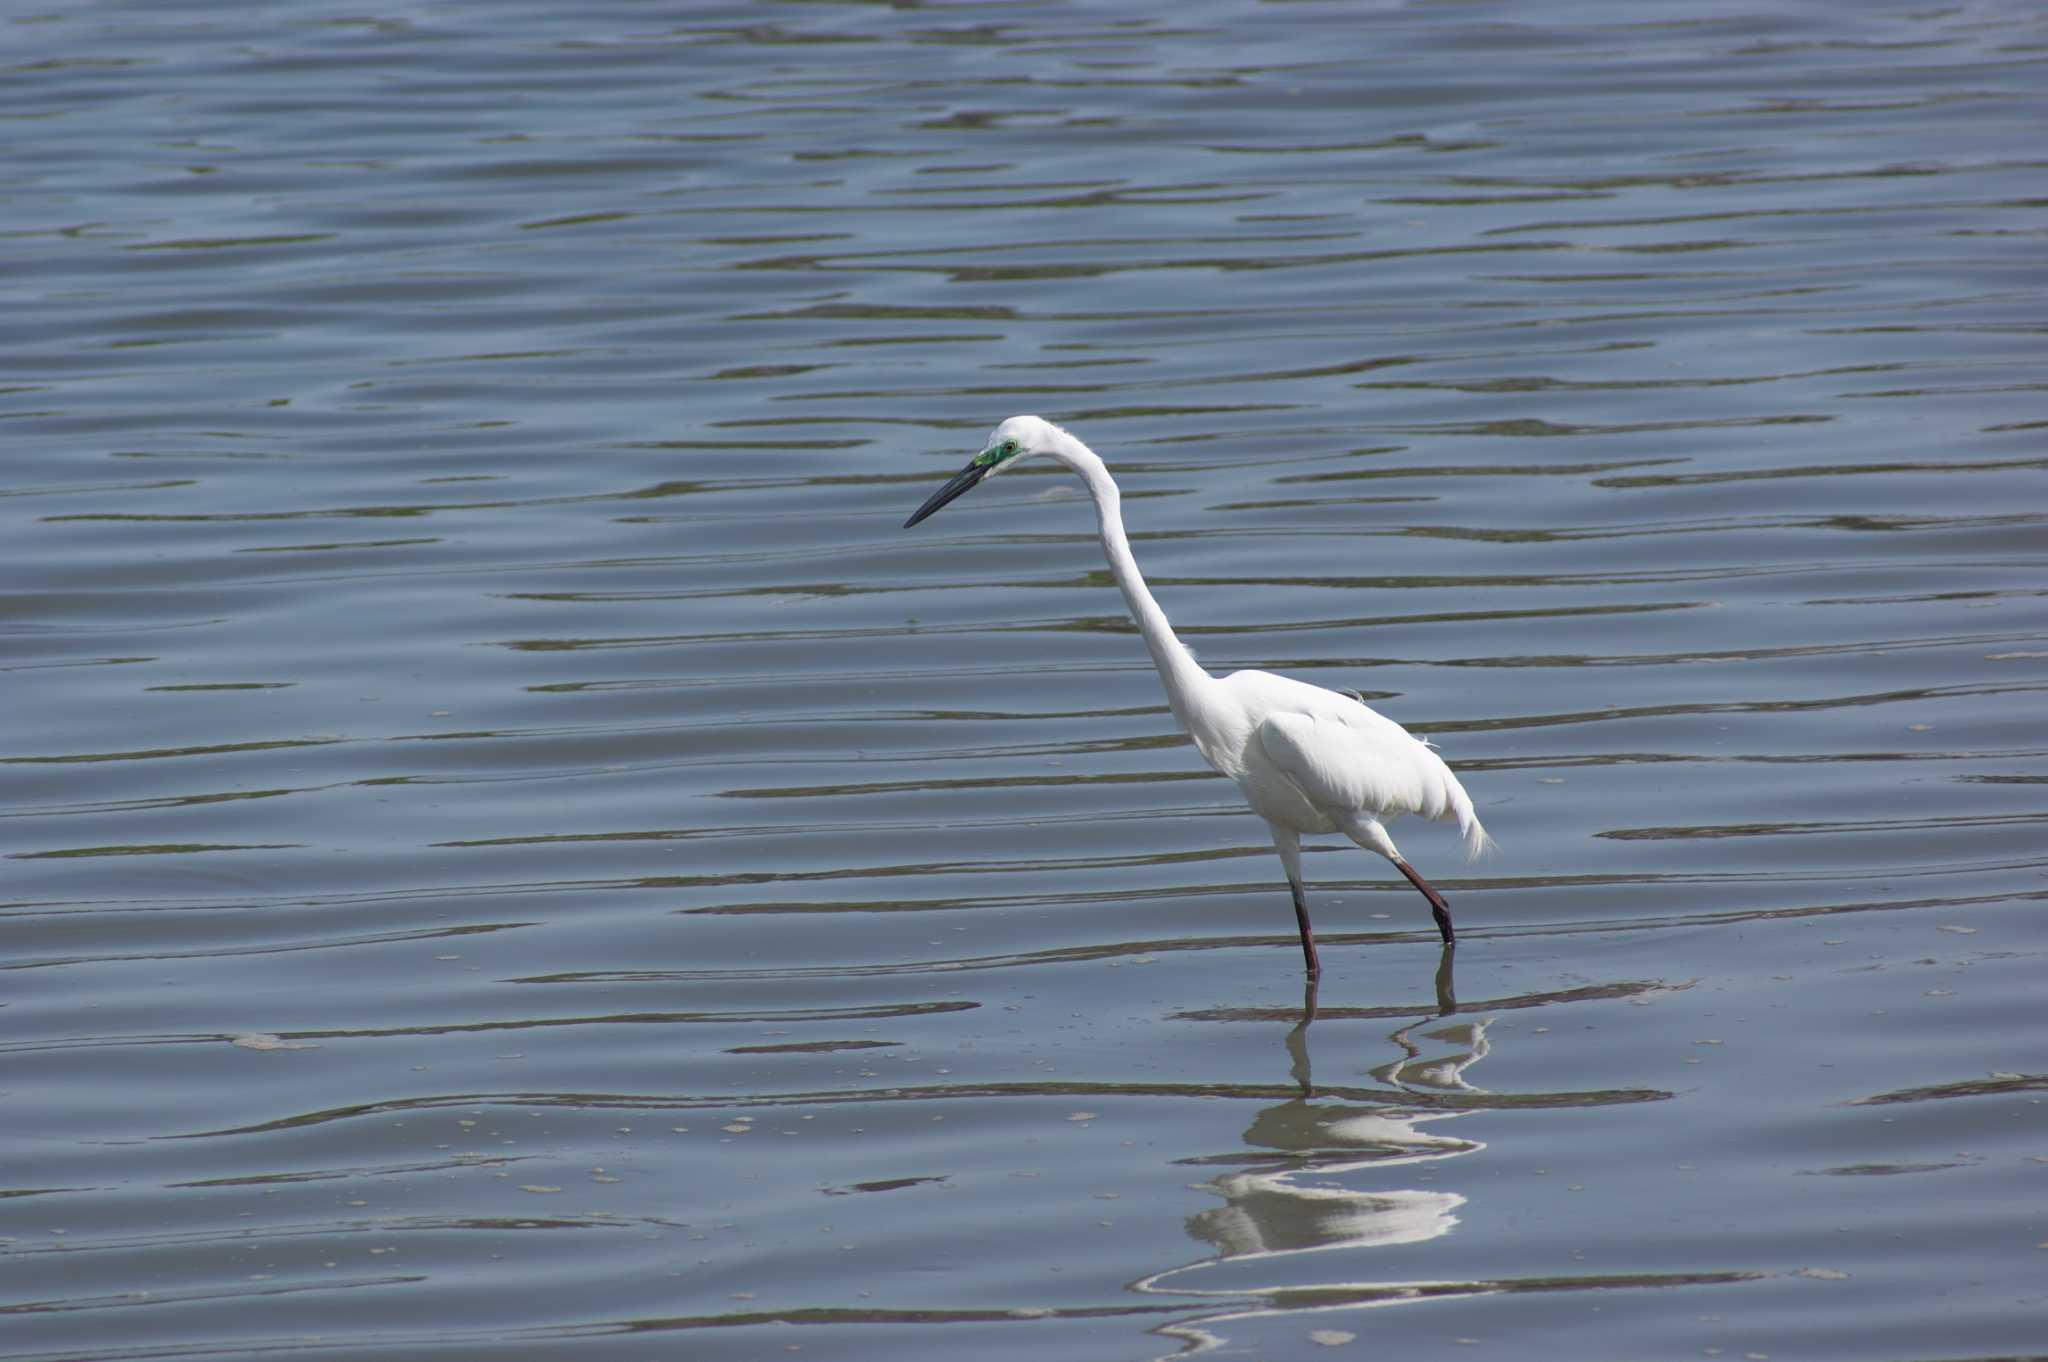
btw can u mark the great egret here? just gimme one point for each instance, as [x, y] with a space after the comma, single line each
[1306, 759]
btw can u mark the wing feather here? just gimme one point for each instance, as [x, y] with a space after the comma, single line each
[1346, 758]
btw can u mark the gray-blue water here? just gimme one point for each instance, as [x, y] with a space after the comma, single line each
[510, 850]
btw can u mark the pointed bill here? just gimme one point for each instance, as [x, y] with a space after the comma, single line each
[963, 482]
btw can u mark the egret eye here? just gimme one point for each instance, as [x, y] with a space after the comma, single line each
[997, 453]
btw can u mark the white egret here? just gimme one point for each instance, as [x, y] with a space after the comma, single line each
[1304, 758]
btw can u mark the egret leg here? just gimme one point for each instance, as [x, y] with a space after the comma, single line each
[1437, 906]
[1368, 833]
[1308, 935]
[1288, 843]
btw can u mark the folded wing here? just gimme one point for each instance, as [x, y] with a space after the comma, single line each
[1345, 758]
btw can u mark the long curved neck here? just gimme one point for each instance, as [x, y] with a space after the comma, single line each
[1181, 674]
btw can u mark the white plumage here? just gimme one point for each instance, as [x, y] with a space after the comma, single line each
[1341, 759]
[1307, 760]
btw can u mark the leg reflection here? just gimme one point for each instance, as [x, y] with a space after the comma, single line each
[1297, 1038]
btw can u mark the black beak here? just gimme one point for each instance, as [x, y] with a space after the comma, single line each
[963, 482]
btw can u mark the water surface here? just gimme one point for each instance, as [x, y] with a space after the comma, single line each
[509, 848]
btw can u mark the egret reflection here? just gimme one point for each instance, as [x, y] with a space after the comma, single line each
[1313, 1174]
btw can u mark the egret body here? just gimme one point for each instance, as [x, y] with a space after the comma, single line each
[1305, 759]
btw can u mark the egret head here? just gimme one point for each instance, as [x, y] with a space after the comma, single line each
[1012, 442]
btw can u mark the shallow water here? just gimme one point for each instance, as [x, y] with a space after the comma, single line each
[510, 849]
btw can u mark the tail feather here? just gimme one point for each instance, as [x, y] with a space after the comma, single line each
[1477, 842]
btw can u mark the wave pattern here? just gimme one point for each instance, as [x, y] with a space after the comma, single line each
[507, 847]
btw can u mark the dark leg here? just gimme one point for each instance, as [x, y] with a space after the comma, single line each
[1308, 936]
[1437, 905]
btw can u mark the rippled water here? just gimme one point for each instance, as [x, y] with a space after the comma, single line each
[510, 850]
